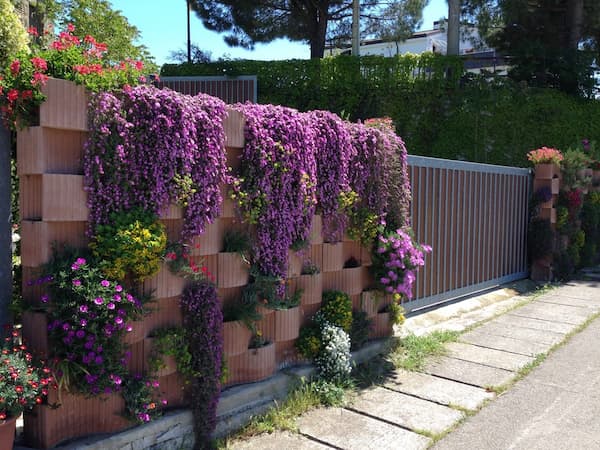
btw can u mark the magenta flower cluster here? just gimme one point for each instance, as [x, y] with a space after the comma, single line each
[87, 319]
[149, 147]
[396, 259]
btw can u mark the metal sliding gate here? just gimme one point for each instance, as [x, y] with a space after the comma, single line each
[475, 218]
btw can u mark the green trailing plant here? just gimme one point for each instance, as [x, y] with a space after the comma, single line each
[133, 242]
[171, 341]
[243, 309]
[266, 291]
[238, 242]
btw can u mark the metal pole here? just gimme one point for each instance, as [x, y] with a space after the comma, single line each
[5, 229]
[356, 28]
[189, 41]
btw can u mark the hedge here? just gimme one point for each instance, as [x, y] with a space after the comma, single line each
[438, 109]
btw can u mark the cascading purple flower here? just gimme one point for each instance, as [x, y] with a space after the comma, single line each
[143, 142]
[277, 181]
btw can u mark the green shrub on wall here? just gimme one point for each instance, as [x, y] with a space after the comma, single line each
[490, 120]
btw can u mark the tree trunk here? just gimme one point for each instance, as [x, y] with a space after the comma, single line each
[318, 33]
[575, 16]
[453, 27]
[5, 228]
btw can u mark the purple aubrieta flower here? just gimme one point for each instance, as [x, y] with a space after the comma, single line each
[45, 298]
[99, 301]
[80, 261]
[76, 282]
[111, 306]
[118, 288]
[105, 283]
[83, 308]
[80, 334]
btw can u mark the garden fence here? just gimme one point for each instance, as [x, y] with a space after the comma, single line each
[231, 90]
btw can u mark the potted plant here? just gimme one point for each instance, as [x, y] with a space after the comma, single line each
[259, 361]
[310, 282]
[24, 382]
[234, 261]
[574, 167]
[388, 316]
[168, 352]
[239, 319]
[546, 161]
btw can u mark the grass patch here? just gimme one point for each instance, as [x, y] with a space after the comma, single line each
[282, 416]
[412, 351]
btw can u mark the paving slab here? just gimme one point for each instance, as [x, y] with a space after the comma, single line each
[536, 324]
[570, 300]
[278, 441]
[579, 289]
[549, 311]
[350, 430]
[525, 334]
[554, 408]
[488, 356]
[468, 372]
[478, 337]
[438, 390]
[405, 410]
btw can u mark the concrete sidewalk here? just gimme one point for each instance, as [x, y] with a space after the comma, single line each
[412, 410]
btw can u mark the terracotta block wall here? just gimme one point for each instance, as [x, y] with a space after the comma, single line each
[53, 209]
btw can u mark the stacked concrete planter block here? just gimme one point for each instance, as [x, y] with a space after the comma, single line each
[54, 209]
[546, 176]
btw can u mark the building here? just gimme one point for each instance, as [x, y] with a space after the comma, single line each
[477, 56]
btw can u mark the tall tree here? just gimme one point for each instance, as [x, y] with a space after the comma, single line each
[545, 38]
[247, 23]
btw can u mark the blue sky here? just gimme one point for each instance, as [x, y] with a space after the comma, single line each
[163, 27]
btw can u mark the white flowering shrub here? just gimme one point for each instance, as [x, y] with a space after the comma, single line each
[333, 361]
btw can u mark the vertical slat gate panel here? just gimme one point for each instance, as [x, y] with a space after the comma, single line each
[475, 218]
